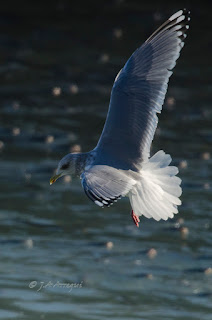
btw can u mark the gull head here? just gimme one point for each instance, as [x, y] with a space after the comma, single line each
[67, 165]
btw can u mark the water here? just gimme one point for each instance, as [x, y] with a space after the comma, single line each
[83, 262]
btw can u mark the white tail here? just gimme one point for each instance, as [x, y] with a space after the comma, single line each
[157, 194]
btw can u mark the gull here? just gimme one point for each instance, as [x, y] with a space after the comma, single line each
[120, 165]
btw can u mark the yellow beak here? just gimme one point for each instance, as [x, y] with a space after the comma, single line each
[54, 178]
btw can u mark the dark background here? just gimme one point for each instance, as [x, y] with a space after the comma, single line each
[59, 43]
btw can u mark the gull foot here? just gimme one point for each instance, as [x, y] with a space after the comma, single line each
[135, 218]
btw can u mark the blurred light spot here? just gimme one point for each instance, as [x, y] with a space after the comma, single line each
[179, 223]
[49, 139]
[206, 186]
[67, 179]
[76, 148]
[104, 58]
[109, 245]
[16, 131]
[118, 33]
[183, 164]
[56, 91]
[28, 243]
[185, 282]
[149, 276]
[208, 271]
[207, 225]
[72, 136]
[1, 145]
[15, 105]
[106, 261]
[184, 232]
[152, 253]
[206, 155]
[74, 89]
[170, 102]
[196, 291]
[28, 176]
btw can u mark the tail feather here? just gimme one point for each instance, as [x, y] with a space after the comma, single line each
[171, 185]
[157, 193]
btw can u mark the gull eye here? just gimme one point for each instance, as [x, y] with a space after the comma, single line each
[65, 166]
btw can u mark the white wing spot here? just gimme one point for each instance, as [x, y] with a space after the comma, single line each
[178, 27]
[176, 15]
[181, 18]
[99, 203]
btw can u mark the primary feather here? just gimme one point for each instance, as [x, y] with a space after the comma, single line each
[138, 94]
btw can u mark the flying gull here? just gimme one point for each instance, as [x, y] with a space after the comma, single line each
[120, 165]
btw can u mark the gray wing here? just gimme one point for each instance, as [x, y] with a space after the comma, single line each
[138, 94]
[105, 185]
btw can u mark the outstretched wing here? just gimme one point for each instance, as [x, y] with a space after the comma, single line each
[105, 185]
[138, 94]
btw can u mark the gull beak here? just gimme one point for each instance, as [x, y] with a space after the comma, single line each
[54, 178]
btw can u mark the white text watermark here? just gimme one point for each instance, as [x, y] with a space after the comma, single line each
[40, 285]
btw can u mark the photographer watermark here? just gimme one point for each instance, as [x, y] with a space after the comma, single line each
[40, 285]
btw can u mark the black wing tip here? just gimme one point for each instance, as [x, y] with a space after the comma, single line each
[179, 20]
[100, 201]
[181, 17]
[186, 12]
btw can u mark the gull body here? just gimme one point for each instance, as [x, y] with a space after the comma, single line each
[121, 165]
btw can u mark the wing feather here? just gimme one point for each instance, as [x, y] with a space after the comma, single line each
[105, 185]
[138, 94]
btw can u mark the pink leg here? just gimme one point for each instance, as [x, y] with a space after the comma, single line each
[135, 218]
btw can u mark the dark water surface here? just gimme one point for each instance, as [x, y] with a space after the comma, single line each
[57, 65]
